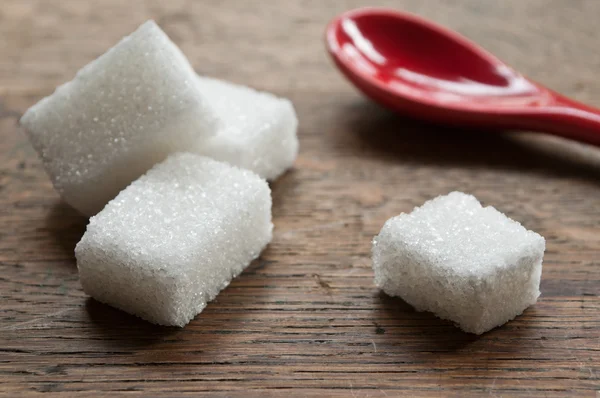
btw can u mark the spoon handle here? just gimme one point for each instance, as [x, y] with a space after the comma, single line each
[570, 119]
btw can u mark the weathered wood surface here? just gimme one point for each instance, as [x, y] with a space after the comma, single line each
[306, 320]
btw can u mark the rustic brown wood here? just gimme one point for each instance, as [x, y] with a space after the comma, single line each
[306, 319]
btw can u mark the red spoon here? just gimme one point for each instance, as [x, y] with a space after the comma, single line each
[416, 67]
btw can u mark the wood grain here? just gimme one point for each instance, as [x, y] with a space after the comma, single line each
[306, 319]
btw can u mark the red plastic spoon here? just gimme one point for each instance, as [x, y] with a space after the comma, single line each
[416, 67]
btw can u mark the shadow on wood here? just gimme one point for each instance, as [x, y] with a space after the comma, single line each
[66, 227]
[381, 133]
[418, 331]
[423, 332]
[282, 190]
[124, 332]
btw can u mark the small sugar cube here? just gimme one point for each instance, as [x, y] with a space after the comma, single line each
[258, 129]
[466, 263]
[120, 115]
[170, 241]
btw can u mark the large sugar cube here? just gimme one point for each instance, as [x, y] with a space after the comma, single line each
[169, 242]
[258, 129]
[120, 115]
[463, 262]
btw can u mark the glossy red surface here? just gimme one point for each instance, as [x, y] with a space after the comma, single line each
[421, 69]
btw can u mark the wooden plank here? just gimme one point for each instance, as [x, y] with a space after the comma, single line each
[306, 319]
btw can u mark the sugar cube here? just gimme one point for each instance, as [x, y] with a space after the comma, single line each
[258, 129]
[121, 114]
[170, 241]
[466, 263]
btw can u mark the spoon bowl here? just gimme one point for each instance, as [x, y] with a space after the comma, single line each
[421, 69]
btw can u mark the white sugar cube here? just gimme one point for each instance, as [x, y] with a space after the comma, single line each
[174, 238]
[258, 132]
[121, 114]
[463, 262]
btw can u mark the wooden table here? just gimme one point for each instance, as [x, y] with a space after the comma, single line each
[306, 319]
